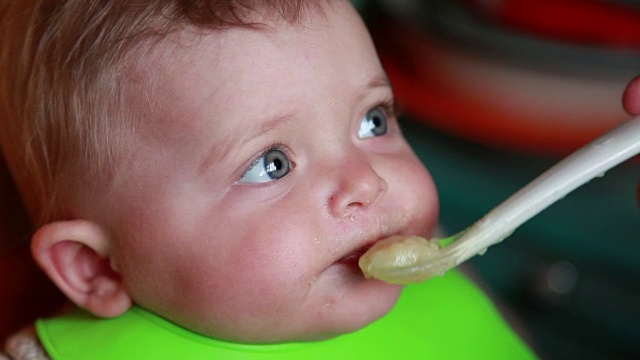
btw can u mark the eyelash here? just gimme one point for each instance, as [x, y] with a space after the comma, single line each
[390, 107]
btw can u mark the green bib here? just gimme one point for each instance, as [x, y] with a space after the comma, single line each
[443, 318]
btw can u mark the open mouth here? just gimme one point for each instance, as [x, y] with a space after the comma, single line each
[351, 259]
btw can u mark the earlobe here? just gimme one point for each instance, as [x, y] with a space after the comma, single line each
[76, 256]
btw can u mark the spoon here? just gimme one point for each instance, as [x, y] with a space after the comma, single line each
[401, 263]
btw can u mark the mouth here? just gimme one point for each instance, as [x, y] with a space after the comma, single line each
[351, 259]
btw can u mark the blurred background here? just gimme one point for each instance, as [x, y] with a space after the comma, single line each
[24, 290]
[493, 93]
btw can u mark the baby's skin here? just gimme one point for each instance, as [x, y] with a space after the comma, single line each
[264, 162]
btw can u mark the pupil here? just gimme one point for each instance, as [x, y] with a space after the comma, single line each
[277, 164]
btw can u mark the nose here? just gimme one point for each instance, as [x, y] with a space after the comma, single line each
[358, 186]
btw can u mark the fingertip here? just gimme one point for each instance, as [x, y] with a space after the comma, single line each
[631, 97]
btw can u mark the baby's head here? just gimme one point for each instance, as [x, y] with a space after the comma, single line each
[221, 167]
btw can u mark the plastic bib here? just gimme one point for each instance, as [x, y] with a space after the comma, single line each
[443, 318]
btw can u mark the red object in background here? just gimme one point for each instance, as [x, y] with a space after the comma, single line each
[506, 106]
[588, 22]
[482, 121]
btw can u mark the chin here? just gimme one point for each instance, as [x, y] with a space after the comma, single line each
[363, 305]
[348, 303]
[382, 299]
[371, 301]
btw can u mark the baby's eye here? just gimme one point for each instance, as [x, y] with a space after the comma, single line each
[273, 165]
[374, 123]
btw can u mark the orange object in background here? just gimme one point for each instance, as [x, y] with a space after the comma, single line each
[457, 71]
[522, 109]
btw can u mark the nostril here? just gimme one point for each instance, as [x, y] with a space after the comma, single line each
[348, 210]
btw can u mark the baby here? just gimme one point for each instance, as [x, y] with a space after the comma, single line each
[204, 175]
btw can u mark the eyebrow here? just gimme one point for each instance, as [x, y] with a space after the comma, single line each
[379, 81]
[272, 125]
[222, 148]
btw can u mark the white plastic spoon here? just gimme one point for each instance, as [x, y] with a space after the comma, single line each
[407, 260]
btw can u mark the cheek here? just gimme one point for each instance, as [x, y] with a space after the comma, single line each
[256, 260]
[416, 191]
[266, 276]
[233, 275]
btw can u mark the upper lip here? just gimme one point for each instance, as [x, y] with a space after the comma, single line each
[354, 256]
[357, 244]
[354, 253]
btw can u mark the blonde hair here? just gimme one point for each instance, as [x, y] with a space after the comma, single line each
[63, 88]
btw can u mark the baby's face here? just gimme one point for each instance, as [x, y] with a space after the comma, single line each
[265, 162]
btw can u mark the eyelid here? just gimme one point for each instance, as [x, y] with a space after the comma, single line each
[391, 108]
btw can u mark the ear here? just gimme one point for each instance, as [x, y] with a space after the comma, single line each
[76, 256]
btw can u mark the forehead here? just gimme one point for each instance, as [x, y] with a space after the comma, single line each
[242, 68]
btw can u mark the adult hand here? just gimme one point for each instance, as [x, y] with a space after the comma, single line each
[631, 97]
[631, 104]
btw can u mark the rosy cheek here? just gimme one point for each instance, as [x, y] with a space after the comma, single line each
[265, 255]
[424, 197]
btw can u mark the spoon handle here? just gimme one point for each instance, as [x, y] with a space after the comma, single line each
[588, 162]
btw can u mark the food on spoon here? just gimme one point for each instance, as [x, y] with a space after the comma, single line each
[392, 259]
